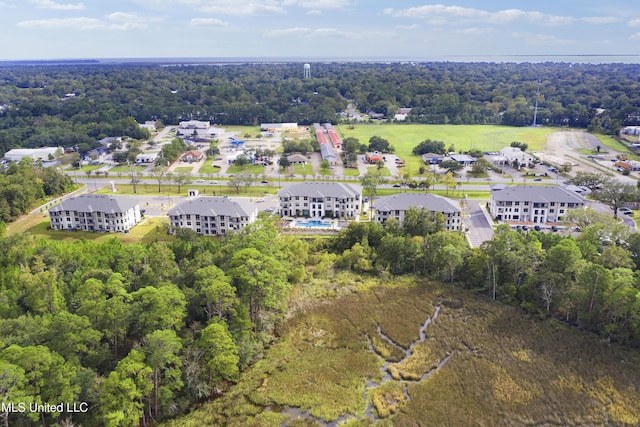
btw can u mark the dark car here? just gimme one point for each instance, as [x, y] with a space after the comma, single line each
[264, 181]
[630, 213]
[554, 228]
[525, 228]
[397, 185]
[538, 179]
[537, 228]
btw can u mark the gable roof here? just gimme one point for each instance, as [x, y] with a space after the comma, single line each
[96, 203]
[297, 158]
[405, 201]
[321, 189]
[213, 206]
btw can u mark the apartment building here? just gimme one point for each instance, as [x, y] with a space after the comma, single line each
[92, 212]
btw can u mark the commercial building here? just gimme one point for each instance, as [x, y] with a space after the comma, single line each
[533, 204]
[90, 212]
[44, 153]
[213, 216]
[321, 200]
[397, 205]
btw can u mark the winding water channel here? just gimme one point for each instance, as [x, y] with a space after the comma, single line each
[386, 376]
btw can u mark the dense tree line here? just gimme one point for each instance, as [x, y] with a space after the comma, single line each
[144, 331]
[22, 185]
[108, 99]
[138, 332]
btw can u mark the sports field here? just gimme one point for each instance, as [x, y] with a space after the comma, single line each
[462, 137]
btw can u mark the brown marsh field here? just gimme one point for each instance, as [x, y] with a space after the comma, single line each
[358, 359]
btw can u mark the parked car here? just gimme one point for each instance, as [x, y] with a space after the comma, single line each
[537, 228]
[554, 228]
[397, 185]
[538, 179]
[630, 213]
[200, 180]
[260, 200]
[525, 228]
[264, 181]
[213, 182]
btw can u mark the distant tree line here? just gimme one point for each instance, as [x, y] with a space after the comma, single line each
[108, 100]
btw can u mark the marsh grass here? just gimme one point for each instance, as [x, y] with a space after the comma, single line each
[494, 365]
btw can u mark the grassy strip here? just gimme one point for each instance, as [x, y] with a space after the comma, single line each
[149, 231]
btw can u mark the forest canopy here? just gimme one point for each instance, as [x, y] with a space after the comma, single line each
[65, 105]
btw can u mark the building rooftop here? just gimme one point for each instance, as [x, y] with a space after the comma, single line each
[541, 194]
[96, 203]
[321, 189]
[404, 201]
[213, 206]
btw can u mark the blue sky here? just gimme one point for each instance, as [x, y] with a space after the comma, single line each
[339, 29]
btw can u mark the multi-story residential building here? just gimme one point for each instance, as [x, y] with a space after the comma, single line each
[213, 216]
[92, 212]
[397, 205]
[537, 205]
[321, 200]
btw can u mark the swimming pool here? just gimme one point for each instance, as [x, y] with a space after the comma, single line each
[310, 223]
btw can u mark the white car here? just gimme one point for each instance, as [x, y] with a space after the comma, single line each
[260, 200]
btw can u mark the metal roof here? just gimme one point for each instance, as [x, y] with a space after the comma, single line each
[541, 194]
[321, 189]
[405, 201]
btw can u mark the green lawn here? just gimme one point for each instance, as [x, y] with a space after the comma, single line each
[147, 232]
[208, 168]
[187, 169]
[463, 137]
[85, 168]
[613, 144]
[306, 169]
[251, 169]
[351, 172]
[126, 168]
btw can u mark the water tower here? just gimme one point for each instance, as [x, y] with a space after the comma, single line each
[307, 71]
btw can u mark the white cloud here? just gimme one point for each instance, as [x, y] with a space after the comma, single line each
[634, 23]
[635, 36]
[537, 39]
[408, 27]
[230, 7]
[319, 4]
[50, 4]
[208, 22]
[440, 11]
[82, 24]
[315, 12]
[309, 32]
[326, 32]
[475, 31]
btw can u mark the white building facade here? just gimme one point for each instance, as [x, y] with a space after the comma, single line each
[101, 213]
[530, 204]
[321, 200]
[397, 205]
[213, 216]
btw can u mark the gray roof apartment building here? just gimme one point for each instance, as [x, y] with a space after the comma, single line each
[213, 216]
[321, 200]
[93, 212]
[397, 205]
[533, 204]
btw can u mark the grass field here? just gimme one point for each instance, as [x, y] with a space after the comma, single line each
[186, 169]
[613, 144]
[481, 363]
[126, 169]
[305, 169]
[463, 137]
[208, 168]
[146, 232]
[251, 169]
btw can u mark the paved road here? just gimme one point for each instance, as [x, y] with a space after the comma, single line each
[480, 228]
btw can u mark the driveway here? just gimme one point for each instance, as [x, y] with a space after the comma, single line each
[480, 228]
